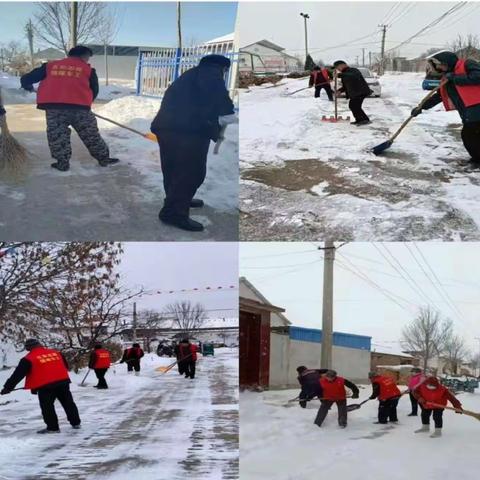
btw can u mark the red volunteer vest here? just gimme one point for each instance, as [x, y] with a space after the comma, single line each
[333, 391]
[102, 359]
[67, 81]
[320, 76]
[134, 352]
[47, 367]
[439, 395]
[388, 387]
[186, 350]
[470, 94]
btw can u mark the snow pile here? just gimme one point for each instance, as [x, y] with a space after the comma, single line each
[283, 443]
[220, 189]
[303, 177]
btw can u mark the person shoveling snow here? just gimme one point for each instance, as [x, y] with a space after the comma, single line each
[46, 375]
[66, 92]
[461, 92]
[194, 109]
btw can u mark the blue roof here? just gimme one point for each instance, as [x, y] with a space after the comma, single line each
[348, 340]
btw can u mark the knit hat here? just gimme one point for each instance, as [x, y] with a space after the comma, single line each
[216, 60]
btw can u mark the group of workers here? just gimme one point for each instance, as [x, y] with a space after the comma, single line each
[424, 390]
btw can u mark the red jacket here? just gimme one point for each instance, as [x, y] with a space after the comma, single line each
[388, 387]
[469, 94]
[334, 391]
[47, 367]
[187, 350]
[319, 77]
[102, 358]
[134, 353]
[67, 82]
[440, 395]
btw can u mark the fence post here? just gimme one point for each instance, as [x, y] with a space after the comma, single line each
[178, 59]
[139, 73]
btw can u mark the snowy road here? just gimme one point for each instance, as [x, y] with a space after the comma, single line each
[303, 179]
[283, 443]
[154, 427]
[121, 202]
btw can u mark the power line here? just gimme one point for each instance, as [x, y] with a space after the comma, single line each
[408, 9]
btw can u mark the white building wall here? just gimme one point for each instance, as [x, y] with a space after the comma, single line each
[270, 60]
[286, 355]
[121, 67]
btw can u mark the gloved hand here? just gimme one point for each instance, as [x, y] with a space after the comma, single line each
[355, 395]
[460, 411]
[29, 88]
[416, 111]
[225, 120]
[2, 111]
[303, 403]
[371, 397]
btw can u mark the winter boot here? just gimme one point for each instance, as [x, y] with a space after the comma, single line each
[47, 430]
[196, 203]
[61, 167]
[362, 122]
[424, 429]
[436, 433]
[76, 427]
[137, 374]
[412, 415]
[184, 223]
[108, 161]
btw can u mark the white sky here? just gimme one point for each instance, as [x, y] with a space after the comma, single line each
[336, 23]
[290, 275]
[183, 265]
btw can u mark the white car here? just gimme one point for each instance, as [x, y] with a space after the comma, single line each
[372, 81]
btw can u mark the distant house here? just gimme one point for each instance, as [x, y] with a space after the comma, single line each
[264, 57]
[42, 56]
[392, 358]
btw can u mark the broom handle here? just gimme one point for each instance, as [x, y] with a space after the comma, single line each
[119, 124]
[450, 408]
[420, 105]
[335, 76]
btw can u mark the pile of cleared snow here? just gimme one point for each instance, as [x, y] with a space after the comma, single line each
[221, 185]
[112, 91]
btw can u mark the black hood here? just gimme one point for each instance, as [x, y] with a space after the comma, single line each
[218, 60]
[448, 58]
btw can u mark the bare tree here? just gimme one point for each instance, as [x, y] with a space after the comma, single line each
[52, 25]
[426, 335]
[107, 35]
[475, 363]
[466, 46]
[149, 321]
[186, 316]
[456, 352]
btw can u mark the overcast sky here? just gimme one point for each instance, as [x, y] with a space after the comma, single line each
[183, 265]
[290, 275]
[336, 23]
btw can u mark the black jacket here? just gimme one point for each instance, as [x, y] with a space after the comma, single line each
[193, 103]
[40, 73]
[353, 83]
[23, 367]
[467, 114]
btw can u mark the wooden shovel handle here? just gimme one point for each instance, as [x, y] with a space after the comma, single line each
[119, 124]
[420, 105]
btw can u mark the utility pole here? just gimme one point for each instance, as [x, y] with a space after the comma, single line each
[29, 32]
[363, 57]
[370, 59]
[305, 16]
[358, 64]
[382, 55]
[179, 25]
[135, 321]
[327, 313]
[73, 24]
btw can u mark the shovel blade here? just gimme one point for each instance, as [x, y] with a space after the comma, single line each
[353, 406]
[151, 136]
[382, 147]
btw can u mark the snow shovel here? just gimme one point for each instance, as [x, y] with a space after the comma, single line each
[465, 412]
[84, 378]
[221, 138]
[356, 406]
[148, 136]
[335, 118]
[386, 145]
[296, 91]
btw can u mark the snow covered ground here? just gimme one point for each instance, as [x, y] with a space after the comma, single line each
[121, 202]
[306, 179]
[283, 443]
[151, 427]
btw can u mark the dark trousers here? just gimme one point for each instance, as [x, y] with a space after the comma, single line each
[328, 89]
[84, 123]
[355, 105]
[184, 165]
[325, 406]
[133, 365]
[387, 410]
[100, 373]
[437, 417]
[189, 367]
[471, 140]
[414, 403]
[47, 397]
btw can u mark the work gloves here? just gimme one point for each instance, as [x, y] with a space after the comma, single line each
[2, 111]
[355, 395]
[225, 120]
[416, 111]
[5, 391]
[303, 403]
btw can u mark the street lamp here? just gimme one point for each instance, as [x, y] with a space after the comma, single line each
[305, 17]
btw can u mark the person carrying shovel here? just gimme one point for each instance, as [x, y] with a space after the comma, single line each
[320, 79]
[195, 109]
[187, 358]
[385, 389]
[461, 92]
[333, 391]
[100, 361]
[309, 380]
[66, 92]
[46, 375]
[433, 398]
[131, 356]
